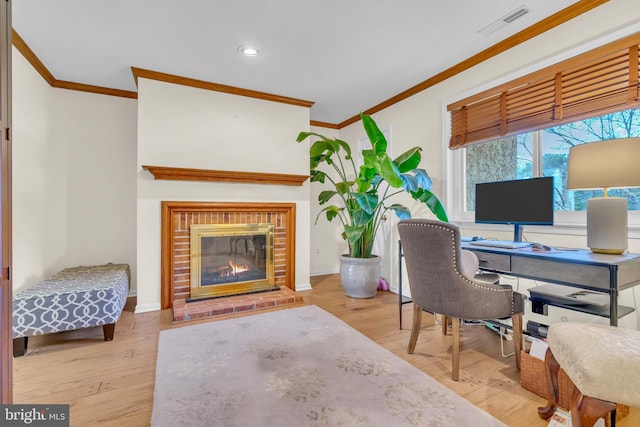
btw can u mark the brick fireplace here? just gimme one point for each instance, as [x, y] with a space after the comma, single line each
[177, 219]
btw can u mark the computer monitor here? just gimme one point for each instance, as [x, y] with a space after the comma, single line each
[518, 202]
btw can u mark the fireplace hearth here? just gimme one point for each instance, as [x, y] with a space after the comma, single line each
[178, 217]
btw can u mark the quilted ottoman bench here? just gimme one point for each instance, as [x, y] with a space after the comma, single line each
[74, 298]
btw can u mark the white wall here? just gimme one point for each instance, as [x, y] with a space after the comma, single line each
[74, 197]
[180, 126]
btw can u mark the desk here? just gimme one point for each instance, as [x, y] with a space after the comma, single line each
[578, 268]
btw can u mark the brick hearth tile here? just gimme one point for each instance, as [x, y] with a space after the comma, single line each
[184, 311]
[244, 306]
[265, 303]
[200, 315]
[285, 300]
[217, 311]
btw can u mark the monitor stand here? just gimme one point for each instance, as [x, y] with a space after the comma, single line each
[517, 232]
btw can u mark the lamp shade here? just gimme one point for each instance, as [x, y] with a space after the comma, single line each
[605, 164]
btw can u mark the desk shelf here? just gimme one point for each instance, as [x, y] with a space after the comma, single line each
[596, 310]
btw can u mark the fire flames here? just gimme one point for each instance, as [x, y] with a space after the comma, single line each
[237, 267]
[231, 269]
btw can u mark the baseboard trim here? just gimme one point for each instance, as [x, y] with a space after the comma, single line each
[322, 273]
[303, 287]
[145, 308]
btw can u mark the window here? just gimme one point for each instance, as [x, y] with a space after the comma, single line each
[545, 153]
[524, 128]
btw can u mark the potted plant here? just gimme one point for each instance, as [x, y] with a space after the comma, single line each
[363, 197]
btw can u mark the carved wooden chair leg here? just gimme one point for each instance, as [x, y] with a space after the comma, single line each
[445, 320]
[455, 330]
[415, 327]
[585, 410]
[551, 370]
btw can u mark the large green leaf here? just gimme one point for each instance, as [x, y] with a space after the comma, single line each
[344, 187]
[432, 202]
[330, 212]
[370, 159]
[346, 147]
[321, 147]
[325, 196]
[367, 201]
[304, 135]
[409, 160]
[401, 211]
[377, 139]
[365, 177]
[389, 172]
[318, 176]
[353, 233]
[362, 217]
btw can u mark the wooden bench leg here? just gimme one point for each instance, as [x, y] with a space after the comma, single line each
[20, 346]
[585, 410]
[108, 331]
[551, 370]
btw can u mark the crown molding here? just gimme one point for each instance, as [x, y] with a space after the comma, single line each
[95, 89]
[324, 124]
[35, 62]
[201, 84]
[31, 57]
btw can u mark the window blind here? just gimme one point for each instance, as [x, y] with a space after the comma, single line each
[598, 82]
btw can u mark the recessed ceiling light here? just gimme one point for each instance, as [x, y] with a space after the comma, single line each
[248, 50]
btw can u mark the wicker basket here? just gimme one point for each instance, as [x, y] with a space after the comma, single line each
[533, 377]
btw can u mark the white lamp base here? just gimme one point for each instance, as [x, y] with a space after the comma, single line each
[607, 225]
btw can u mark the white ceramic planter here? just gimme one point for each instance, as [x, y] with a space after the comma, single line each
[360, 276]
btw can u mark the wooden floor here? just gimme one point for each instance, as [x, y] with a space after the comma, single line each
[111, 383]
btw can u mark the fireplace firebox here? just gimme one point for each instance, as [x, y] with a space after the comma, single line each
[231, 259]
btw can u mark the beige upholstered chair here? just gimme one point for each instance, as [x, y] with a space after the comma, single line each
[602, 361]
[438, 284]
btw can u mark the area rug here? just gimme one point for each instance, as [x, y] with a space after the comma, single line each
[295, 367]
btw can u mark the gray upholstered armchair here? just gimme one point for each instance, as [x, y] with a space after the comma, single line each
[433, 259]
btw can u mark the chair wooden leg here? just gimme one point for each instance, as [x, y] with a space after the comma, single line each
[585, 410]
[415, 327]
[455, 331]
[445, 320]
[516, 322]
[551, 370]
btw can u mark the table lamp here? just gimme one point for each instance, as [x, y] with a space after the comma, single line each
[606, 164]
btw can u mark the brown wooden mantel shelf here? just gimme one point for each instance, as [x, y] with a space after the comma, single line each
[187, 174]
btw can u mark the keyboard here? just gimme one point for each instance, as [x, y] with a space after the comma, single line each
[506, 244]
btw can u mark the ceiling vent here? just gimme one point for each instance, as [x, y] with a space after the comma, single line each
[506, 19]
